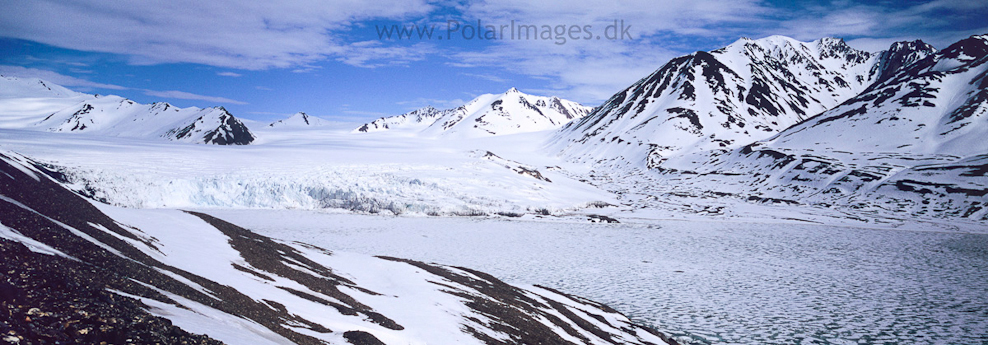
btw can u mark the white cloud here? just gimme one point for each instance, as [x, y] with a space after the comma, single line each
[55, 61]
[229, 74]
[60, 79]
[191, 96]
[227, 33]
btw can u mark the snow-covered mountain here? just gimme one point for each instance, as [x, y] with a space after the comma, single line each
[298, 120]
[934, 105]
[62, 110]
[726, 98]
[913, 144]
[14, 87]
[507, 113]
[77, 270]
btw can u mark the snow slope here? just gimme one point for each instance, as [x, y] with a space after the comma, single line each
[36, 106]
[508, 113]
[209, 276]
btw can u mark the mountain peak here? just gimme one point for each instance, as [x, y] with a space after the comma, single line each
[777, 41]
[911, 45]
[832, 44]
[299, 119]
[32, 87]
[971, 48]
[512, 90]
[901, 54]
[765, 42]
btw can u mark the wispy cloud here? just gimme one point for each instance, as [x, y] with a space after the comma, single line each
[263, 88]
[489, 77]
[54, 77]
[190, 96]
[437, 103]
[374, 54]
[32, 58]
[269, 113]
[229, 74]
[366, 113]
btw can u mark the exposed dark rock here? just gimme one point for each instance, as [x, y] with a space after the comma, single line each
[47, 299]
[361, 338]
[595, 218]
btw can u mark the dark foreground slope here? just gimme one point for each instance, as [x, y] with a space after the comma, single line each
[83, 272]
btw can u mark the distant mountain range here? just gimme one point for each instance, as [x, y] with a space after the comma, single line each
[487, 115]
[121, 117]
[114, 116]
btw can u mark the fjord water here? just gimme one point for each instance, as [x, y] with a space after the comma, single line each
[705, 282]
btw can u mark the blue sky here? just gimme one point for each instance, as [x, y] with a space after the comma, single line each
[266, 61]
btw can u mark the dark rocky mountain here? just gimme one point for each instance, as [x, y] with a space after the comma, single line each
[726, 98]
[910, 145]
[215, 127]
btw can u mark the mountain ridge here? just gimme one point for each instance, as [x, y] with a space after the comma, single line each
[487, 115]
[909, 146]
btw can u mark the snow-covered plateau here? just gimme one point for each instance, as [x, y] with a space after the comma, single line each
[772, 191]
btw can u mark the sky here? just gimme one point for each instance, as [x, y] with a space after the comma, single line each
[333, 59]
